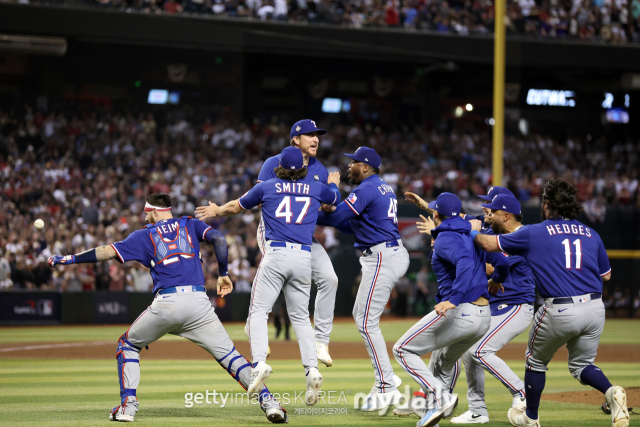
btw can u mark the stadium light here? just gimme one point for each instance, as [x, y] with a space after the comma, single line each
[469, 107]
[459, 111]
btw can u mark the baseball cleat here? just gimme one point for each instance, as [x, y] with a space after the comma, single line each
[314, 384]
[431, 418]
[617, 402]
[470, 418]
[261, 372]
[323, 354]
[377, 401]
[451, 401]
[519, 402]
[397, 380]
[518, 418]
[416, 405]
[437, 412]
[125, 413]
[275, 413]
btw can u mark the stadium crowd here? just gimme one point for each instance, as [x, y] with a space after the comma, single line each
[87, 171]
[615, 21]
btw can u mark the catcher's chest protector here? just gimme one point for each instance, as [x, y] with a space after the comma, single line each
[168, 252]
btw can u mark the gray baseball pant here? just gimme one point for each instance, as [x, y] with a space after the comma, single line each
[187, 314]
[448, 337]
[325, 278]
[578, 324]
[381, 270]
[482, 356]
[289, 270]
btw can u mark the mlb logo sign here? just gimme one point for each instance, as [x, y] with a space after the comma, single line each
[582, 300]
[173, 247]
[352, 198]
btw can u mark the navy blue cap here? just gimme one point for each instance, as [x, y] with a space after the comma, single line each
[366, 155]
[504, 202]
[494, 191]
[291, 158]
[305, 126]
[447, 204]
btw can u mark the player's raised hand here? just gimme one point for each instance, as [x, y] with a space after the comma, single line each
[57, 260]
[416, 200]
[327, 208]
[225, 286]
[204, 212]
[426, 225]
[334, 178]
[494, 287]
[476, 224]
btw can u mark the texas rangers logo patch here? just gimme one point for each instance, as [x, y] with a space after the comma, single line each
[316, 177]
[352, 198]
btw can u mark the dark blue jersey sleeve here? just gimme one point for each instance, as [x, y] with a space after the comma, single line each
[342, 213]
[345, 227]
[500, 264]
[267, 173]
[516, 243]
[214, 237]
[329, 194]
[451, 248]
[251, 198]
[138, 246]
[603, 260]
[359, 199]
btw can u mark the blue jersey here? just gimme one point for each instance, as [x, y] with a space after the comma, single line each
[289, 208]
[519, 284]
[317, 171]
[376, 208]
[566, 257]
[173, 260]
[459, 265]
[486, 228]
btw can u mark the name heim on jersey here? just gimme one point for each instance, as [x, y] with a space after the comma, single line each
[579, 230]
[292, 187]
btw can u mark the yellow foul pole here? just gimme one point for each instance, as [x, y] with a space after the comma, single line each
[498, 92]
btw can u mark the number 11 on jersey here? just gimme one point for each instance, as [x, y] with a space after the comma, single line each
[393, 210]
[567, 253]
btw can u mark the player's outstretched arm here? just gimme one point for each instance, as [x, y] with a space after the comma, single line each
[418, 201]
[426, 225]
[488, 243]
[101, 253]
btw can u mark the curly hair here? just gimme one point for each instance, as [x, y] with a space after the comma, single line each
[561, 200]
[290, 175]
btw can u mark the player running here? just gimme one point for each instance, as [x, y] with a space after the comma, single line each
[170, 248]
[569, 263]
[370, 212]
[511, 305]
[304, 135]
[289, 209]
[459, 319]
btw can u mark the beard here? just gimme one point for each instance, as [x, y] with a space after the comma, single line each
[543, 217]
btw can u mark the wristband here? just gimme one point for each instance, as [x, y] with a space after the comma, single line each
[473, 234]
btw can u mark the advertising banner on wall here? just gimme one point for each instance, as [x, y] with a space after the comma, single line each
[111, 307]
[30, 307]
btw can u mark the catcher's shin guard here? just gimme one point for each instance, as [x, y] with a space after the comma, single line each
[128, 359]
[237, 366]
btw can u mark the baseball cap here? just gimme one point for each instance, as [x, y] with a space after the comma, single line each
[504, 202]
[494, 191]
[366, 155]
[447, 204]
[291, 158]
[305, 126]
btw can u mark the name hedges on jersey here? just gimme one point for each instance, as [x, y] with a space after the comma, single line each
[578, 230]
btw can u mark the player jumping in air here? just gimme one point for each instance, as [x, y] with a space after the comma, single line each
[170, 248]
[569, 263]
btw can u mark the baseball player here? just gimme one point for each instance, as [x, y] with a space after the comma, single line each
[511, 305]
[170, 248]
[460, 318]
[569, 263]
[290, 210]
[371, 211]
[304, 135]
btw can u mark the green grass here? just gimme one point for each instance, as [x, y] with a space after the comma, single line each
[616, 331]
[81, 392]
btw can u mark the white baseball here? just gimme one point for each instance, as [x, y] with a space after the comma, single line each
[39, 224]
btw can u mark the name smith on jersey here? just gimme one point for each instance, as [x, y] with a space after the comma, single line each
[292, 187]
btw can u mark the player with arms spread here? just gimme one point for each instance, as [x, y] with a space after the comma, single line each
[370, 212]
[290, 210]
[170, 248]
[569, 263]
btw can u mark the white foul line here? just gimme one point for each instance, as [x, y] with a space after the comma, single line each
[71, 344]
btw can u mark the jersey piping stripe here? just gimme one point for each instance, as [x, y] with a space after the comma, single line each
[253, 291]
[404, 362]
[352, 208]
[456, 374]
[241, 205]
[204, 233]
[261, 231]
[604, 274]
[118, 253]
[533, 338]
[499, 246]
[495, 373]
[366, 316]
